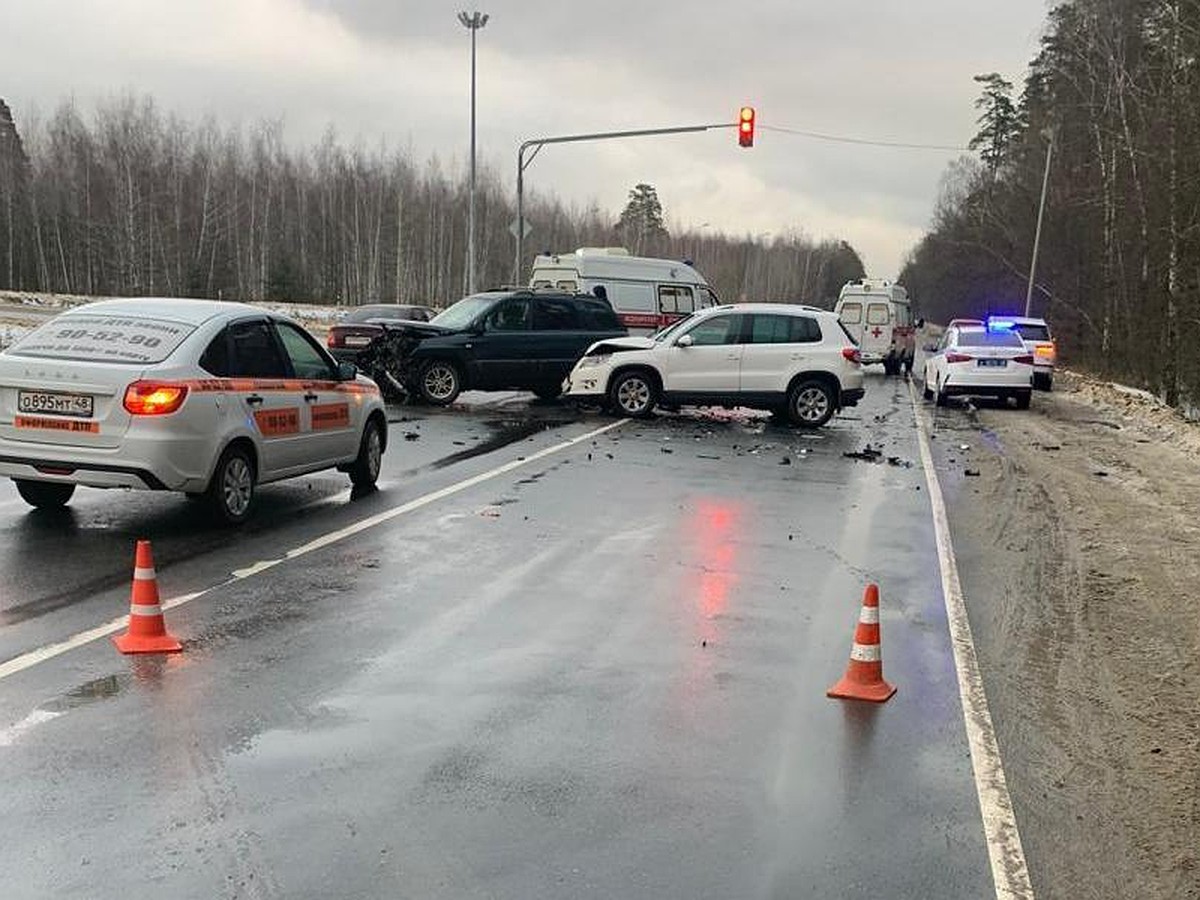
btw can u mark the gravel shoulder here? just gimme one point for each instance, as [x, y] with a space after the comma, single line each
[1079, 549]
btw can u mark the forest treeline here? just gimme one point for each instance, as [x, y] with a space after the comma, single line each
[127, 200]
[1116, 87]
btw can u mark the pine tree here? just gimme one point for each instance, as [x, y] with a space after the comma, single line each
[999, 120]
[641, 224]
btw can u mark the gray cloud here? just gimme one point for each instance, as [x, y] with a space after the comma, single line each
[395, 70]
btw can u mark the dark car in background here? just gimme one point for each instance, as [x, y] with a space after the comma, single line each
[354, 333]
[526, 340]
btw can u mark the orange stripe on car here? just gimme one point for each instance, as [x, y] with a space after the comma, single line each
[266, 385]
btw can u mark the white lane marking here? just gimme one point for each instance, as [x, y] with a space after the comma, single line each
[41, 654]
[1009, 870]
[9, 735]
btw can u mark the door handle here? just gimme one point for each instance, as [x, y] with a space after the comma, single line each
[254, 399]
[311, 398]
[734, 356]
[797, 356]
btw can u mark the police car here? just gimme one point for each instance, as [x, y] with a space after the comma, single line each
[210, 399]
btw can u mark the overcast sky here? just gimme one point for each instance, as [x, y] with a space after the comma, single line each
[398, 70]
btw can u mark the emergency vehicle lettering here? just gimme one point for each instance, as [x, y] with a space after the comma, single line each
[278, 422]
[326, 416]
[648, 320]
[72, 425]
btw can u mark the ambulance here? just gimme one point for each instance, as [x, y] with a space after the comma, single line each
[878, 315]
[646, 293]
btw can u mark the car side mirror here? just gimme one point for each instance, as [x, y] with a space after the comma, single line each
[686, 341]
[347, 371]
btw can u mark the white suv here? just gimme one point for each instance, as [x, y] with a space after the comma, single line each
[795, 360]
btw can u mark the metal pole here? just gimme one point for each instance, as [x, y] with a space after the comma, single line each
[1037, 234]
[471, 202]
[473, 23]
[538, 143]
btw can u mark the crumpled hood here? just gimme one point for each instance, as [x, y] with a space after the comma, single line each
[617, 345]
[417, 329]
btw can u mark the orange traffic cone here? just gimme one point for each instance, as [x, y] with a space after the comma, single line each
[864, 675]
[147, 630]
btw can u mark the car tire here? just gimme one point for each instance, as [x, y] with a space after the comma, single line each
[1023, 398]
[547, 392]
[634, 393]
[1043, 382]
[44, 494]
[364, 471]
[439, 382]
[939, 398]
[232, 490]
[811, 403]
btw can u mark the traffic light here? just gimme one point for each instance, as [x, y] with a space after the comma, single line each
[746, 127]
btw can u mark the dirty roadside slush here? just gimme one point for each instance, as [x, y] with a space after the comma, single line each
[1079, 551]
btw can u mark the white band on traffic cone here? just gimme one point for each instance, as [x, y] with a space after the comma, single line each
[137, 609]
[866, 653]
[140, 574]
[869, 615]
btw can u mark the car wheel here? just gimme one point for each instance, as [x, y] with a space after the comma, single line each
[231, 491]
[364, 472]
[547, 392]
[939, 398]
[439, 382]
[1043, 382]
[633, 393]
[44, 494]
[1023, 398]
[811, 404]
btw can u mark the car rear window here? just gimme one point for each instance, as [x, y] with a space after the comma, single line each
[105, 338]
[851, 313]
[1033, 332]
[877, 314]
[978, 337]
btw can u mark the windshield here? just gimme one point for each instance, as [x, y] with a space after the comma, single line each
[664, 333]
[464, 312]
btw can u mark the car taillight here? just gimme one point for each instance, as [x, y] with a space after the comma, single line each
[1046, 351]
[852, 354]
[334, 340]
[958, 357]
[154, 398]
[1025, 360]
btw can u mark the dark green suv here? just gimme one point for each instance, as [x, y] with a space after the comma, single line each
[521, 340]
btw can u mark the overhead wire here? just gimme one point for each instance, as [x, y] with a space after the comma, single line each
[867, 142]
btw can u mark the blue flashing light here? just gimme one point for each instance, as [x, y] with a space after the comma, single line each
[1000, 325]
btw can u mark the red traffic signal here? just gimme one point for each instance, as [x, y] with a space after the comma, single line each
[746, 127]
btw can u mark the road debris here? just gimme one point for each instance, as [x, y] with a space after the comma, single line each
[971, 473]
[867, 454]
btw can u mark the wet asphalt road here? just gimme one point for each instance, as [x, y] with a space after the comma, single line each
[600, 674]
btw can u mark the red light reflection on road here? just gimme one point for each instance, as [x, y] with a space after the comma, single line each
[715, 528]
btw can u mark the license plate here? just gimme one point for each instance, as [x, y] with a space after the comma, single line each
[357, 341]
[56, 404]
[994, 363]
